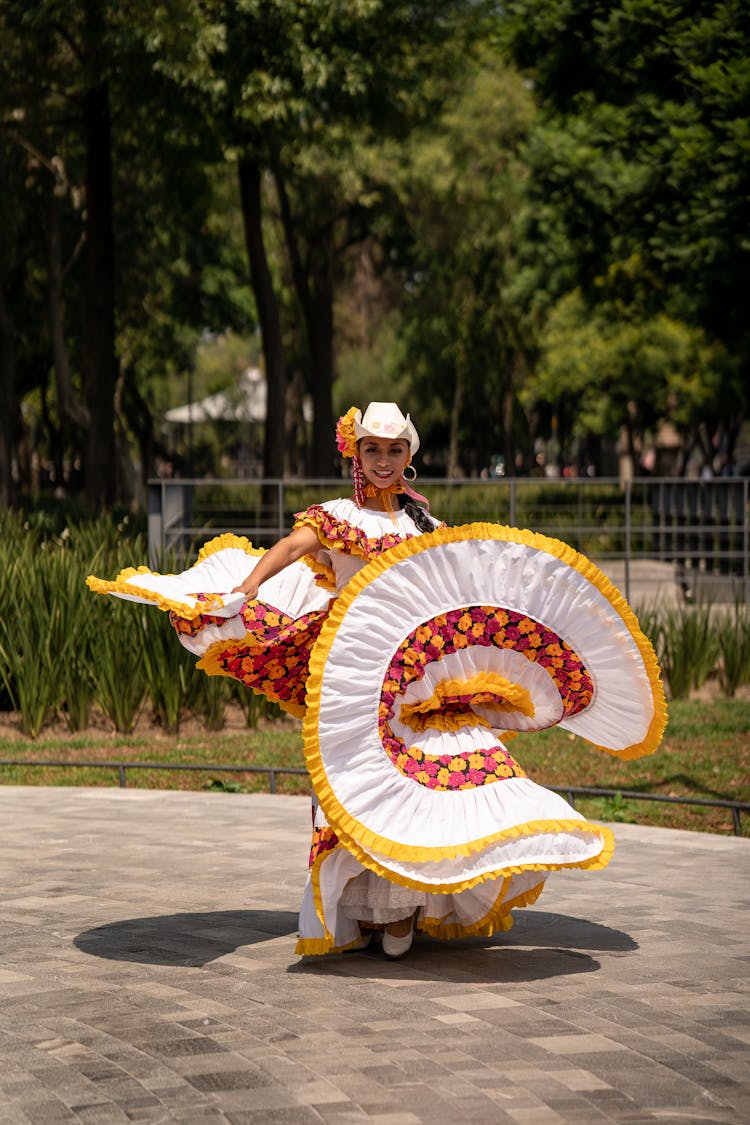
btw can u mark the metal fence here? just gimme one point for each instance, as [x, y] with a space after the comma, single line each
[569, 791]
[648, 533]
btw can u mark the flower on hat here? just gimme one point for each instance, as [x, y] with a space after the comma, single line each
[346, 439]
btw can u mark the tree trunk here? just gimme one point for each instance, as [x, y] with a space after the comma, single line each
[313, 284]
[508, 412]
[320, 335]
[71, 410]
[136, 413]
[268, 315]
[100, 359]
[7, 397]
[454, 468]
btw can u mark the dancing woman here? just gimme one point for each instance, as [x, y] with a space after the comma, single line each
[414, 651]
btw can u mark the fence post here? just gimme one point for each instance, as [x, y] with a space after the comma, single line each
[155, 523]
[628, 543]
[745, 542]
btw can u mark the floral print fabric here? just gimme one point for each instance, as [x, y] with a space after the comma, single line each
[324, 840]
[272, 658]
[341, 535]
[459, 629]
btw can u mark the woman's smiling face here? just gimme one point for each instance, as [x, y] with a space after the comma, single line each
[383, 459]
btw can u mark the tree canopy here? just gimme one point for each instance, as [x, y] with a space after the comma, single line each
[482, 207]
[640, 166]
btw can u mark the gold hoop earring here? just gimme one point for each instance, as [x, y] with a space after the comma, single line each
[413, 477]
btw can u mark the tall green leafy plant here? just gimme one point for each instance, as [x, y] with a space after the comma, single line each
[169, 669]
[209, 699]
[688, 648]
[118, 666]
[734, 648]
[76, 661]
[37, 633]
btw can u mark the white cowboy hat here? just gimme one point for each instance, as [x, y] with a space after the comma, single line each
[385, 420]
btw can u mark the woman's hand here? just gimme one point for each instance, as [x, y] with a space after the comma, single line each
[249, 588]
[300, 542]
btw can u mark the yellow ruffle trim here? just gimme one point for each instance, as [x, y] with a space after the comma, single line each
[121, 585]
[316, 947]
[531, 828]
[487, 689]
[331, 542]
[410, 547]
[357, 836]
[209, 663]
[324, 575]
[228, 539]
[498, 917]
[595, 863]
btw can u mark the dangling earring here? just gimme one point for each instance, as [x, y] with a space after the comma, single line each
[413, 476]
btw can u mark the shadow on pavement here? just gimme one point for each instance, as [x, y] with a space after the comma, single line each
[185, 939]
[542, 927]
[557, 940]
[454, 961]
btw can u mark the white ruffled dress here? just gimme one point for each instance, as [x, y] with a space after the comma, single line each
[411, 657]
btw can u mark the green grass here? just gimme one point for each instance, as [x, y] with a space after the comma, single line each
[278, 745]
[705, 753]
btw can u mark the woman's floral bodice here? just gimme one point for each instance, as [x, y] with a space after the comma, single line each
[351, 536]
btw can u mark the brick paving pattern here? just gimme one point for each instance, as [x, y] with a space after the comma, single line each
[148, 974]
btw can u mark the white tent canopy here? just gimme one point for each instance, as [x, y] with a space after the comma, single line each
[245, 404]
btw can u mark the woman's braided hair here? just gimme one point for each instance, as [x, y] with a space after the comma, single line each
[417, 514]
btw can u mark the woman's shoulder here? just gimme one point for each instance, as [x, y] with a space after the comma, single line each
[341, 510]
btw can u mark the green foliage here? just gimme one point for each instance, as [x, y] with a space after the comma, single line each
[687, 640]
[209, 700]
[618, 810]
[705, 753]
[460, 183]
[459, 216]
[117, 663]
[734, 649]
[65, 652]
[601, 373]
[179, 265]
[640, 177]
[218, 785]
[169, 669]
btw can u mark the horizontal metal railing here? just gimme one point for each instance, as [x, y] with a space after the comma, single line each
[123, 767]
[737, 807]
[702, 527]
[568, 791]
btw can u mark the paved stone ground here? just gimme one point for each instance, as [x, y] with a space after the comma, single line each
[148, 974]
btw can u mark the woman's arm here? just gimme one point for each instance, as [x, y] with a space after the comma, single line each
[301, 541]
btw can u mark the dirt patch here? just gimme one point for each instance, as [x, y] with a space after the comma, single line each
[146, 727]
